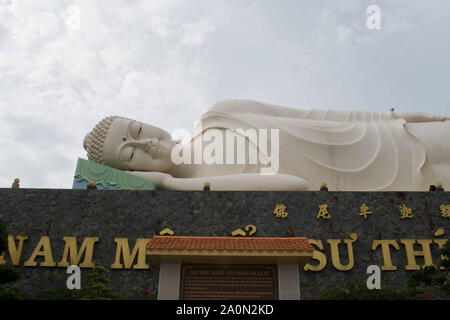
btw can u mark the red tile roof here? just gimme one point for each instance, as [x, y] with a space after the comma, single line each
[228, 243]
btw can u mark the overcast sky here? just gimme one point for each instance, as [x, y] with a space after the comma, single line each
[165, 62]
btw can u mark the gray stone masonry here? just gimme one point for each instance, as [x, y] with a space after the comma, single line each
[142, 214]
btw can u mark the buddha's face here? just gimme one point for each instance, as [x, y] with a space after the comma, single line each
[132, 145]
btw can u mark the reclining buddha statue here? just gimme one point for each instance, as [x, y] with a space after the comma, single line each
[248, 145]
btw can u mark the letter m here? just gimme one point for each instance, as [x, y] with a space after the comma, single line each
[70, 249]
[123, 250]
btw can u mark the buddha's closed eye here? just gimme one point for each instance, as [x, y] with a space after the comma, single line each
[127, 154]
[135, 129]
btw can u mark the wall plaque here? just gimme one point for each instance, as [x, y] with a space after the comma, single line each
[228, 282]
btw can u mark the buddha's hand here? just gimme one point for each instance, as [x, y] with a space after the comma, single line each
[160, 179]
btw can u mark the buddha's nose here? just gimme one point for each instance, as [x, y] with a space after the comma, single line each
[149, 143]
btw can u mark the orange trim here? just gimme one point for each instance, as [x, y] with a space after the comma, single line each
[229, 243]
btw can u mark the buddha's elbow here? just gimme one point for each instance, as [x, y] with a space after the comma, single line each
[293, 183]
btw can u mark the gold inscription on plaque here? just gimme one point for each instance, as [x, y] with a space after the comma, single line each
[385, 249]
[42, 249]
[411, 253]
[280, 211]
[42, 255]
[317, 255]
[334, 245]
[440, 243]
[15, 253]
[445, 211]
[123, 250]
[323, 212]
[405, 212]
[87, 248]
[364, 210]
[240, 232]
[250, 228]
[167, 231]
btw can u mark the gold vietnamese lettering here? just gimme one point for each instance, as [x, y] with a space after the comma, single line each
[15, 253]
[70, 249]
[43, 249]
[385, 249]
[440, 243]
[411, 253]
[334, 246]
[317, 255]
[123, 250]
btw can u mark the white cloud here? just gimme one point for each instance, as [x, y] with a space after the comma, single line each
[164, 62]
[343, 32]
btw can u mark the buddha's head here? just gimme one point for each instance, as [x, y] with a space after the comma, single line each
[127, 144]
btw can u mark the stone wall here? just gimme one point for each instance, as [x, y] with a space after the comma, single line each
[141, 214]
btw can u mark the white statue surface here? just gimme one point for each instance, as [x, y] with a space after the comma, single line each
[347, 150]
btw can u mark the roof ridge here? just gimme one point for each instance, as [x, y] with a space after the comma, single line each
[215, 237]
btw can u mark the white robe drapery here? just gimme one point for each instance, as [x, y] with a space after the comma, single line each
[349, 150]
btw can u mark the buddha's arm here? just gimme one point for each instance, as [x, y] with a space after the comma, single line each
[235, 182]
[240, 182]
[159, 178]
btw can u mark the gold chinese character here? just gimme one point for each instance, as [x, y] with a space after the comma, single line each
[323, 212]
[445, 210]
[405, 211]
[364, 210]
[280, 211]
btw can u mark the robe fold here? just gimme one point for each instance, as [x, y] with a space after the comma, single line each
[349, 150]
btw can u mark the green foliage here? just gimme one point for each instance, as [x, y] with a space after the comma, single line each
[8, 274]
[356, 289]
[144, 294]
[60, 292]
[96, 289]
[8, 293]
[445, 252]
[433, 277]
[430, 283]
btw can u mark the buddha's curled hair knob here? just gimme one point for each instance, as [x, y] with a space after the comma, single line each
[94, 140]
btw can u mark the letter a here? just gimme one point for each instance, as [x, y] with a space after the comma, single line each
[374, 281]
[374, 20]
[74, 281]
